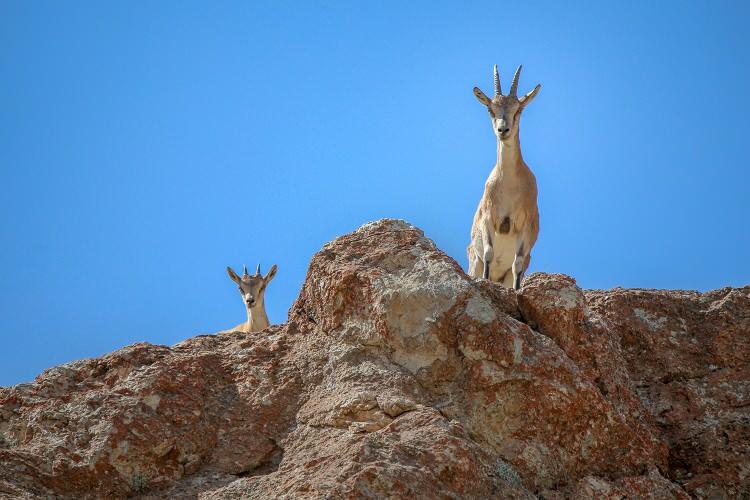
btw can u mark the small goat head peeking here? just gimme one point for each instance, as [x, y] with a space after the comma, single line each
[252, 287]
[505, 110]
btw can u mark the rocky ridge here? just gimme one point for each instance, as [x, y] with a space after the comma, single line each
[397, 375]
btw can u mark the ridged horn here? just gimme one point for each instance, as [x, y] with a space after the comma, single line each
[257, 270]
[514, 84]
[244, 270]
[498, 90]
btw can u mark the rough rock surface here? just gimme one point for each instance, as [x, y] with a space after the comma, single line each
[398, 375]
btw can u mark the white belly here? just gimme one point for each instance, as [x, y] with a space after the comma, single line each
[504, 252]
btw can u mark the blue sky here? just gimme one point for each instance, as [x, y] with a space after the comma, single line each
[145, 146]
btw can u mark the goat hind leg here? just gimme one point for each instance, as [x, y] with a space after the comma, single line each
[486, 259]
[519, 267]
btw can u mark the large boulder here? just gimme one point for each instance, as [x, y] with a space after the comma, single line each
[398, 375]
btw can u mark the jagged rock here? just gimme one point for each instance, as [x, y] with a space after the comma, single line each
[398, 375]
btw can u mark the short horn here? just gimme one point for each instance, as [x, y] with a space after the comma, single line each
[244, 270]
[514, 84]
[257, 270]
[498, 90]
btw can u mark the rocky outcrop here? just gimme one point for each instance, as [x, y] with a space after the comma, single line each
[398, 375]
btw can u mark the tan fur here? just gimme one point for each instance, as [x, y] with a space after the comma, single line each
[243, 327]
[509, 193]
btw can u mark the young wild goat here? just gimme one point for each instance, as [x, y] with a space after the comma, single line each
[253, 290]
[506, 224]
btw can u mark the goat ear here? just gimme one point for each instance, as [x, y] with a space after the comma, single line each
[271, 273]
[233, 275]
[530, 96]
[481, 97]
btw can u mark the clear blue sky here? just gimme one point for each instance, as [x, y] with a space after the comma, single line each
[144, 146]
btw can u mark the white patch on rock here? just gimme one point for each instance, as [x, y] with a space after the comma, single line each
[412, 300]
[152, 401]
[517, 350]
[471, 353]
[480, 309]
[569, 297]
[421, 357]
[653, 322]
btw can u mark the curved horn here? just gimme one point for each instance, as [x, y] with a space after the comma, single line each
[244, 270]
[514, 85]
[257, 270]
[498, 90]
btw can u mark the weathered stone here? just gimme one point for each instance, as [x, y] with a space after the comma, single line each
[397, 375]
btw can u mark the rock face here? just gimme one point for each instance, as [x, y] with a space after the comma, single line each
[398, 375]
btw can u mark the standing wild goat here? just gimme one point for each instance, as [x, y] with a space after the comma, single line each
[253, 290]
[506, 224]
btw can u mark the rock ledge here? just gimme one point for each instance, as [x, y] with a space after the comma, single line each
[398, 375]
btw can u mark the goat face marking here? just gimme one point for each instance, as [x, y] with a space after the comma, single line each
[504, 112]
[250, 288]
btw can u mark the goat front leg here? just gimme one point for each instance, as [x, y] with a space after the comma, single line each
[519, 267]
